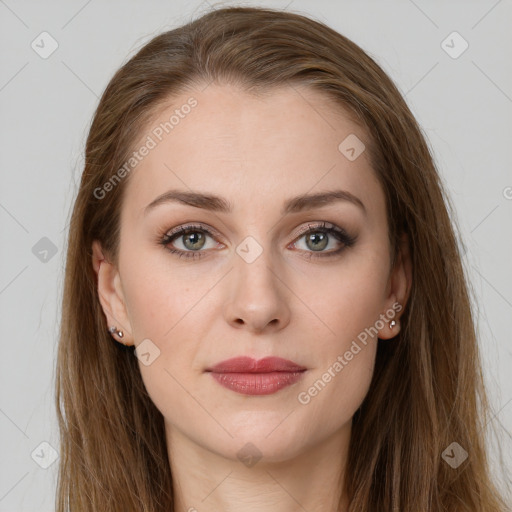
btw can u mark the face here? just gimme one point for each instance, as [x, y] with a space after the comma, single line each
[254, 273]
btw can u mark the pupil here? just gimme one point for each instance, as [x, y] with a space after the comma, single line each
[319, 240]
[196, 238]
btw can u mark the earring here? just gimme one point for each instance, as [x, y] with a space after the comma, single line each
[392, 324]
[113, 330]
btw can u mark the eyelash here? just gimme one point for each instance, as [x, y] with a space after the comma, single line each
[324, 227]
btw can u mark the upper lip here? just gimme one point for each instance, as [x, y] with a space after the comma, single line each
[244, 364]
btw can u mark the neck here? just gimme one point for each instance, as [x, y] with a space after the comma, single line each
[206, 481]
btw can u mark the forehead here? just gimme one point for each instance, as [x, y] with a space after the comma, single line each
[223, 140]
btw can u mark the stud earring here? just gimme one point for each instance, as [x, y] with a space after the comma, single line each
[113, 330]
[392, 324]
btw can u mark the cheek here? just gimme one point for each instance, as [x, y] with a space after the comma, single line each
[161, 309]
[345, 297]
[336, 391]
[348, 300]
[165, 304]
[160, 294]
[345, 354]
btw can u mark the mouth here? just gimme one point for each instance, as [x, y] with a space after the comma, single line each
[249, 376]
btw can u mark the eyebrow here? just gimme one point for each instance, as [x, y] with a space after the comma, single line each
[219, 204]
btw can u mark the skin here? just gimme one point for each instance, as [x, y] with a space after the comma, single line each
[256, 152]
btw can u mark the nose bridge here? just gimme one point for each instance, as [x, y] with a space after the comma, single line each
[255, 267]
[258, 296]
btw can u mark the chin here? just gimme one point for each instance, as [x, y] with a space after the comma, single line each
[259, 450]
[272, 438]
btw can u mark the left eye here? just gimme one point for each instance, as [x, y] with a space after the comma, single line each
[317, 240]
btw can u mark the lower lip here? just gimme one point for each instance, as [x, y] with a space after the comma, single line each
[257, 383]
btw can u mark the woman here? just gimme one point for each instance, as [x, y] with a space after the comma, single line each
[261, 224]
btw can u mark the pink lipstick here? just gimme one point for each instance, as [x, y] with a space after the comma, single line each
[249, 376]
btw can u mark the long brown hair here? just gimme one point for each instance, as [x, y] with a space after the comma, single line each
[427, 390]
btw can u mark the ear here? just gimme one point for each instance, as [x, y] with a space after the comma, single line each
[111, 295]
[399, 287]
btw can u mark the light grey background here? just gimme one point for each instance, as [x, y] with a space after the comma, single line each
[464, 105]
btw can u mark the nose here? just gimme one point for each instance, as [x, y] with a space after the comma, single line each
[258, 297]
